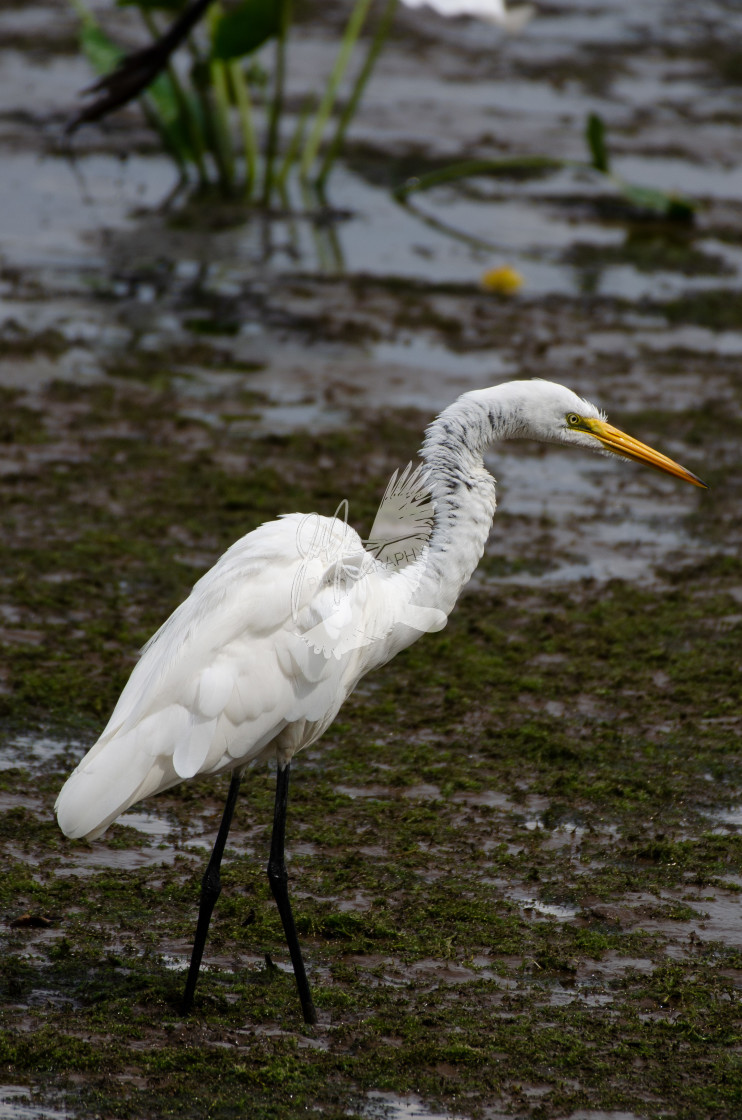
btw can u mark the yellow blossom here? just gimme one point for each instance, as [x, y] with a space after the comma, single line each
[504, 280]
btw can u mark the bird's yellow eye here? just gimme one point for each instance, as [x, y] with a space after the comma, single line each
[574, 420]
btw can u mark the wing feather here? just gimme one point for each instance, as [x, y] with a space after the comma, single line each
[192, 749]
[218, 681]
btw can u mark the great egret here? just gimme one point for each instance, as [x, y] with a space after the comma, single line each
[256, 663]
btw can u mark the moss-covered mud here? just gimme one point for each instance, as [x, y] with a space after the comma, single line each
[515, 862]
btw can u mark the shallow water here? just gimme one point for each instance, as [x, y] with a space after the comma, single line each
[36, 751]
[16, 1104]
[388, 1106]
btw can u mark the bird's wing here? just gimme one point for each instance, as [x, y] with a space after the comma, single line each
[226, 673]
[254, 592]
[404, 520]
[376, 612]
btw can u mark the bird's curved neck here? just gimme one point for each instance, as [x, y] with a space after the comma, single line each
[462, 490]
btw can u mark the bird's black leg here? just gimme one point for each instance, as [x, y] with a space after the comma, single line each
[278, 879]
[210, 889]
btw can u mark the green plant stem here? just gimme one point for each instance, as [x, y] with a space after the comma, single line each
[217, 108]
[292, 151]
[481, 167]
[277, 105]
[201, 93]
[187, 115]
[154, 120]
[223, 151]
[664, 205]
[242, 99]
[380, 37]
[352, 31]
[309, 202]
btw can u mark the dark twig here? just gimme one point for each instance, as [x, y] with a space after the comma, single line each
[137, 70]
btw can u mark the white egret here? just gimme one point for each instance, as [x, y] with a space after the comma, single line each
[256, 663]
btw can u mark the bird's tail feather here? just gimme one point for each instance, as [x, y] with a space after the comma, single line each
[106, 786]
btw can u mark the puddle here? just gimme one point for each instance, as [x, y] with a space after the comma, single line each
[728, 817]
[146, 822]
[446, 972]
[425, 791]
[533, 802]
[14, 801]
[354, 792]
[179, 964]
[720, 917]
[83, 863]
[36, 750]
[359, 903]
[16, 1104]
[596, 1114]
[301, 1041]
[490, 797]
[53, 215]
[99, 854]
[389, 1106]
[544, 909]
[533, 824]
[611, 966]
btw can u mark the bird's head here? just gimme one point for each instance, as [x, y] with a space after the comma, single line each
[557, 415]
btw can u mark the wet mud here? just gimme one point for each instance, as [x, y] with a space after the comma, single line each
[516, 858]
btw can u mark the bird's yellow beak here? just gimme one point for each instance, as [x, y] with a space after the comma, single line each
[613, 439]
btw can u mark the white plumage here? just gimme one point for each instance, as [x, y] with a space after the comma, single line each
[221, 681]
[258, 660]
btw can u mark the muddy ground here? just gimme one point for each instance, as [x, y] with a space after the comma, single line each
[516, 858]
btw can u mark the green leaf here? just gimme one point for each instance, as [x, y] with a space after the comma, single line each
[172, 116]
[595, 136]
[243, 30]
[102, 54]
[652, 201]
